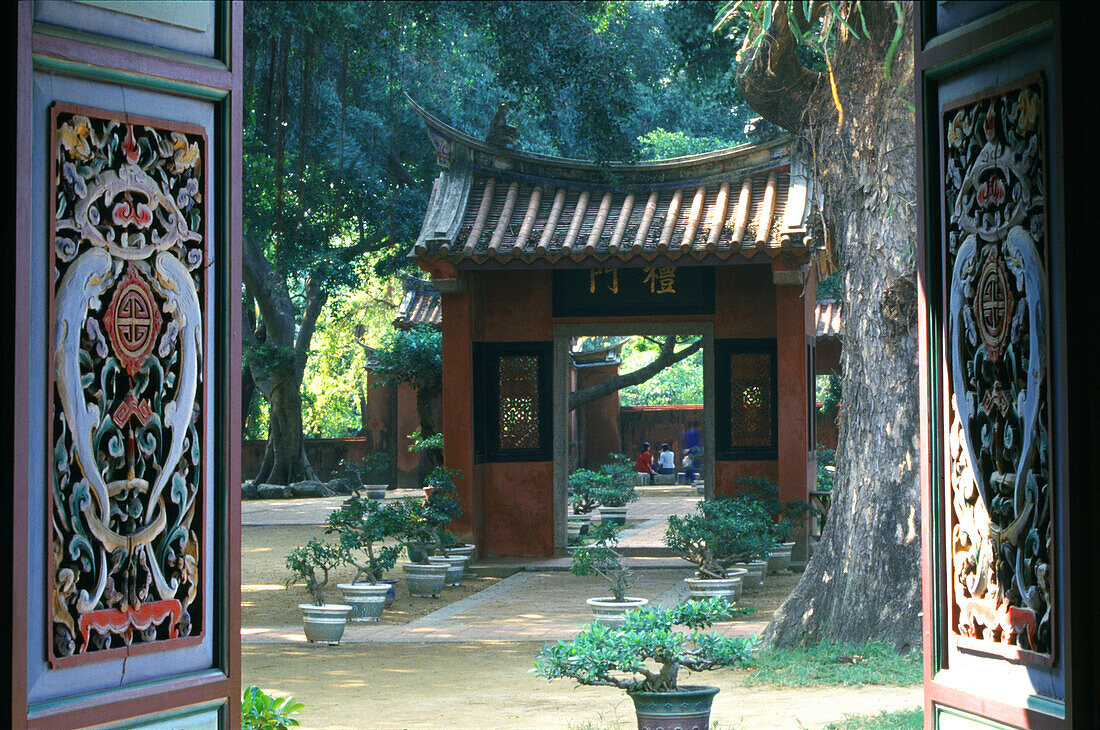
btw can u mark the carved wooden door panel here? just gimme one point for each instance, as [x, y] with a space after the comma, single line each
[1001, 644]
[126, 460]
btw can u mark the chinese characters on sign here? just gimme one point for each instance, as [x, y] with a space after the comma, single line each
[660, 280]
[627, 290]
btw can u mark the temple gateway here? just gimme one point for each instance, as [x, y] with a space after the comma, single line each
[529, 251]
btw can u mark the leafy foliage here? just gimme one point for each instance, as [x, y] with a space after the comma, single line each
[828, 392]
[261, 711]
[600, 558]
[826, 468]
[720, 532]
[645, 653]
[304, 563]
[412, 356]
[676, 384]
[362, 524]
[787, 515]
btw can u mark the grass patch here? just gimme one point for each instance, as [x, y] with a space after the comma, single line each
[897, 720]
[834, 664]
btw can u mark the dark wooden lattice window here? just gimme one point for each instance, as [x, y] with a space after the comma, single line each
[512, 417]
[746, 421]
[518, 404]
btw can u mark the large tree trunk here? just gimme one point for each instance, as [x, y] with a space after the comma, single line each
[863, 582]
[279, 376]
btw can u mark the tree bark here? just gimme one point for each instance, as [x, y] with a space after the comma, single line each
[668, 356]
[863, 582]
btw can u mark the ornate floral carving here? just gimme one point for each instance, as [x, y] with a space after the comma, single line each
[127, 427]
[999, 501]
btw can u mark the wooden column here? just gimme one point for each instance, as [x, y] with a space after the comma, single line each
[458, 413]
[790, 330]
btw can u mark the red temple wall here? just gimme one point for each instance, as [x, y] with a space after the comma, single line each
[519, 508]
[597, 423]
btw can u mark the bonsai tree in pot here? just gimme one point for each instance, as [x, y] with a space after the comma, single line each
[367, 469]
[583, 485]
[616, 491]
[602, 559]
[644, 656]
[718, 533]
[362, 525]
[786, 517]
[322, 622]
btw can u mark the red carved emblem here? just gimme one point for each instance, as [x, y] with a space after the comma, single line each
[132, 321]
[993, 304]
[133, 407]
[123, 621]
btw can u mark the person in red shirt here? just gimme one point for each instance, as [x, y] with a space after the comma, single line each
[644, 464]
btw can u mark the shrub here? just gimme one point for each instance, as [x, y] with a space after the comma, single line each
[304, 562]
[786, 516]
[362, 525]
[719, 533]
[601, 558]
[601, 656]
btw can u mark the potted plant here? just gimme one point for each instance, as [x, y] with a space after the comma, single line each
[582, 485]
[322, 622]
[644, 656]
[616, 491]
[417, 529]
[364, 469]
[785, 518]
[600, 558]
[719, 533]
[362, 525]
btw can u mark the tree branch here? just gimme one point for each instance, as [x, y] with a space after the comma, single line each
[667, 357]
[772, 79]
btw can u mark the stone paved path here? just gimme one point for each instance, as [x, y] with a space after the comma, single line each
[544, 602]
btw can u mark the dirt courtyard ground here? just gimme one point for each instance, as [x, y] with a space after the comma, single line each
[470, 681]
[432, 686]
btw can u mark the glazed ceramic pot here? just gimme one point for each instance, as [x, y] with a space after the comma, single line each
[728, 588]
[613, 515]
[391, 594]
[754, 578]
[456, 567]
[375, 491]
[425, 580]
[324, 624]
[687, 708]
[779, 560]
[366, 600]
[609, 612]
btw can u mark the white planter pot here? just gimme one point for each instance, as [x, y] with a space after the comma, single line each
[366, 600]
[754, 578]
[728, 588]
[425, 580]
[324, 624]
[779, 560]
[462, 549]
[609, 612]
[613, 515]
[456, 567]
[375, 491]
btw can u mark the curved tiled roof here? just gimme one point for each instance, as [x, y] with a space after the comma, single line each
[419, 305]
[492, 204]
